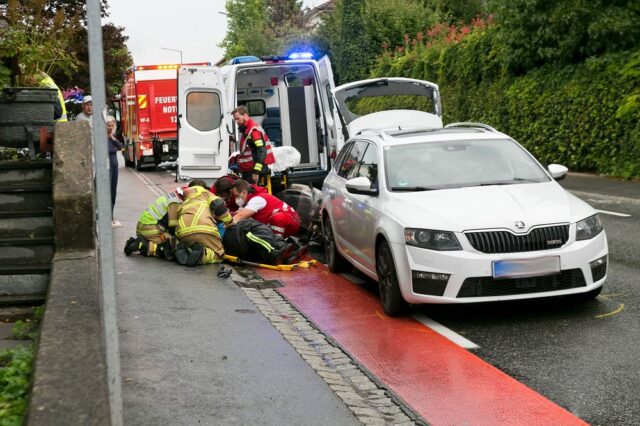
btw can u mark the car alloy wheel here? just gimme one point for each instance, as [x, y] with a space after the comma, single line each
[334, 259]
[390, 296]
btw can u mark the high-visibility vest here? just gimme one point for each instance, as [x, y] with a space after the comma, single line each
[158, 211]
[245, 158]
[195, 215]
[47, 81]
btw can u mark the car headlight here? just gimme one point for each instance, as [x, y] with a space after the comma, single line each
[588, 228]
[430, 239]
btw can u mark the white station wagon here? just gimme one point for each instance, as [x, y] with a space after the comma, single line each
[457, 214]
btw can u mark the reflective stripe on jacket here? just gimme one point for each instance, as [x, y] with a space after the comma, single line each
[195, 215]
[245, 159]
[158, 211]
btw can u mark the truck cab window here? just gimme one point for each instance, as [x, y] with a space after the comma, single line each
[203, 110]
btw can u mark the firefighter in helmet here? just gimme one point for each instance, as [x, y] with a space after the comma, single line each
[155, 231]
[197, 227]
[256, 153]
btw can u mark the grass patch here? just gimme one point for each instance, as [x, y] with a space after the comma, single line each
[16, 366]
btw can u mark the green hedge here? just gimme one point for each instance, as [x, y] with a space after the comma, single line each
[585, 116]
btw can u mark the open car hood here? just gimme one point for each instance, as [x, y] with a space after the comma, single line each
[388, 103]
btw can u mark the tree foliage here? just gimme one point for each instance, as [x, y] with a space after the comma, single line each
[262, 27]
[33, 41]
[117, 59]
[354, 57]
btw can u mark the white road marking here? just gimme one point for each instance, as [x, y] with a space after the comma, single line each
[437, 327]
[613, 213]
[444, 331]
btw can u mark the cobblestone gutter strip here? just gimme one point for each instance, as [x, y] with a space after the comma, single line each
[371, 403]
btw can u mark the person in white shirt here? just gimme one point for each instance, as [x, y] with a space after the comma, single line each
[87, 110]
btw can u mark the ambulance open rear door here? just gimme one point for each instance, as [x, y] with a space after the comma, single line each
[334, 127]
[203, 140]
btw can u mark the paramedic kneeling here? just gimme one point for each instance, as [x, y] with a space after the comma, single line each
[257, 203]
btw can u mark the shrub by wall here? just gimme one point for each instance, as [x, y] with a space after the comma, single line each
[585, 116]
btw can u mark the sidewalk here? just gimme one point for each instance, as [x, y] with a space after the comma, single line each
[195, 350]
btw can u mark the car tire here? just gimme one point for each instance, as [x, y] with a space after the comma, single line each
[127, 161]
[332, 256]
[137, 161]
[393, 303]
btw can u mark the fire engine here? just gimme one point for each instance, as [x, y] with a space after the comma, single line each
[148, 114]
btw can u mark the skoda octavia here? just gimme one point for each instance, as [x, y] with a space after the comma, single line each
[458, 214]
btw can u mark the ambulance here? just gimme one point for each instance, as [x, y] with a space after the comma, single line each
[295, 101]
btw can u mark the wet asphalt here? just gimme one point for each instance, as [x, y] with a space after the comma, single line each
[583, 355]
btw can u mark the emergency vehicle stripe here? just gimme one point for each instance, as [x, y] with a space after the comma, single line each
[142, 101]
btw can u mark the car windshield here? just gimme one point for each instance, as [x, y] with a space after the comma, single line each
[459, 164]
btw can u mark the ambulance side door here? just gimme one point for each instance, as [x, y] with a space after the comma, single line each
[203, 148]
[334, 126]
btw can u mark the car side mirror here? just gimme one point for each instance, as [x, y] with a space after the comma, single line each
[557, 171]
[361, 185]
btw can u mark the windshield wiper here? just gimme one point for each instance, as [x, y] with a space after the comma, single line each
[515, 180]
[412, 188]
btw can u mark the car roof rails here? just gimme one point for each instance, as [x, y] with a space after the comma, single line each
[471, 124]
[379, 132]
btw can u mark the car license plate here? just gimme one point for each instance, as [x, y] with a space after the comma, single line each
[147, 152]
[519, 268]
[165, 148]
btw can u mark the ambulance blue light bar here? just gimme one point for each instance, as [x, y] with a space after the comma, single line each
[301, 55]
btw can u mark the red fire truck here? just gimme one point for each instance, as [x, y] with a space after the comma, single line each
[148, 115]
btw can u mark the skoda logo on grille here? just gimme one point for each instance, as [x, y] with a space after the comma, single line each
[520, 225]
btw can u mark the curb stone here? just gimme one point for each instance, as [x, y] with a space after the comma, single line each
[362, 393]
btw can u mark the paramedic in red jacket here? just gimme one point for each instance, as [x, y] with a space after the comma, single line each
[255, 150]
[257, 203]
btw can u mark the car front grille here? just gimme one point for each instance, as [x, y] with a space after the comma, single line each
[549, 237]
[488, 286]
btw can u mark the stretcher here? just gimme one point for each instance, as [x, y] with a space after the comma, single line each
[301, 264]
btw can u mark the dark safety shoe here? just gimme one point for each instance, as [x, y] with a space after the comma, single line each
[181, 254]
[167, 250]
[278, 257]
[195, 254]
[130, 246]
[297, 255]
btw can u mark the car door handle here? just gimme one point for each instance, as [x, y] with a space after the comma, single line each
[332, 193]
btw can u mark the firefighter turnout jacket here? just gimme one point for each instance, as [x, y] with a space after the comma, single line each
[158, 221]
[255, 149]
[198, 215]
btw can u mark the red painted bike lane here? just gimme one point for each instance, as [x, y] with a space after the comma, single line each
[444, 383]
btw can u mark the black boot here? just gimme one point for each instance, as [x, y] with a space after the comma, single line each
[167, 250]
[130, 246]
[181, 254]
[196, 252]
[298, 255]
[279, 256]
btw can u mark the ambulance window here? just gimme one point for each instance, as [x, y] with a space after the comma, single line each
[255, 107]
[204, 110]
